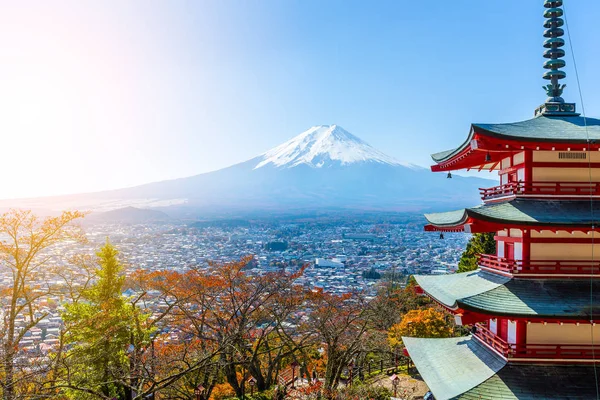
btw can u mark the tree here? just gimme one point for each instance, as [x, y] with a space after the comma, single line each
[371, 274]
[228, 325]
[483, 243]
[251, 319]
[184, 355]
[104, 333]
[25, 254]
[426, 323]
[341, 322]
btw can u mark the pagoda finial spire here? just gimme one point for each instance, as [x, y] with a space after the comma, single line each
[554, 104]
[554, 53]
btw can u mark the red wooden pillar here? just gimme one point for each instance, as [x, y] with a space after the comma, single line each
[526, 246]
[502, 324]
[521, 332]
[528, 159]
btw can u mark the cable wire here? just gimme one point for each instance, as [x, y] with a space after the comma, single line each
[589, 153]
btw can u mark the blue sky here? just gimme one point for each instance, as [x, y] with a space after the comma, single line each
[101, 95]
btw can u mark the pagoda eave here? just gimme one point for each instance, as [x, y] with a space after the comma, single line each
[530, 214]
[476, 294]
[484, 149]
[466, 369]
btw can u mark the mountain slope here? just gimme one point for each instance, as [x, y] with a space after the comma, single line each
[322, 146]
[323, 167]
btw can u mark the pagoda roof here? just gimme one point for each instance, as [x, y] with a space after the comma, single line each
[500, 139]
[528, 382]
[516, 212]
[464, 369]
[489, 294]
[447, 289]
[452, 366]
[569, 129]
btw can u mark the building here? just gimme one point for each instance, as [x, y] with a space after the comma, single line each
[533, 304]
[325, 263]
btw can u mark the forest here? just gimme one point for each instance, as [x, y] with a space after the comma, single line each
[131, 334]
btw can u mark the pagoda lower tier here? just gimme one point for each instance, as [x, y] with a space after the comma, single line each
[523, 320]
[464, 368]
[554, 215]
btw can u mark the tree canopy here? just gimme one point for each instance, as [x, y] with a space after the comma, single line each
[425, 323]
[483, 243]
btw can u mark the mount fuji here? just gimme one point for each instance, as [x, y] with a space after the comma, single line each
[324, 167]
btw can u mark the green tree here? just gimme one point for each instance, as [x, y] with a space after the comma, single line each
[103, 335]
[479, 243]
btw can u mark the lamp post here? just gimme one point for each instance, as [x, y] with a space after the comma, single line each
[294, 364]
[395, 381]
[198, 392]
[252, 383]
[350, 366]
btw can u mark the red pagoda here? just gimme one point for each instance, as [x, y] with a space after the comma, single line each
[532, 305]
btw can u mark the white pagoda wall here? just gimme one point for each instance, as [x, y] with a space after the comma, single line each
[568, 333]
[560, 174]
[564, 251]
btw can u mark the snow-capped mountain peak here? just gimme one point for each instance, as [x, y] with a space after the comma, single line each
[324, 145]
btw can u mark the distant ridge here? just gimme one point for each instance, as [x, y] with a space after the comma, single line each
[131, 215]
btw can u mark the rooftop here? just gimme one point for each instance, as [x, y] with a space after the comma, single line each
[488, 143]
[491, 294]
[464, 369]
[518, 212]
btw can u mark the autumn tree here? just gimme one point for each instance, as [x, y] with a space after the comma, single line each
[479, 243]
[341, 322]
[250, 319]
[425, 323]
[242, 325]
[26, 256]
[183, 353]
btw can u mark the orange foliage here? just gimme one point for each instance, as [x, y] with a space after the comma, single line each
[427, 323]
[222, 391]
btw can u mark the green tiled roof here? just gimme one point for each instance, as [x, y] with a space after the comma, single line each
[523, 211]
[538, 297]
[447, 289]
[543, 128]
[447, 218]
[529, 382]
[463, 369]
[546, 128]
[437, 157]
[493, 294]
[452, 366]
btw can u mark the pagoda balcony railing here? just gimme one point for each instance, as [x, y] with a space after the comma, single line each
[535, 351]
[491, 339]
[541, 189]
[497, 263]
[539, 267]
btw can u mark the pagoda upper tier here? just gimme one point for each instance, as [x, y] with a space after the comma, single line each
[489, 144]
